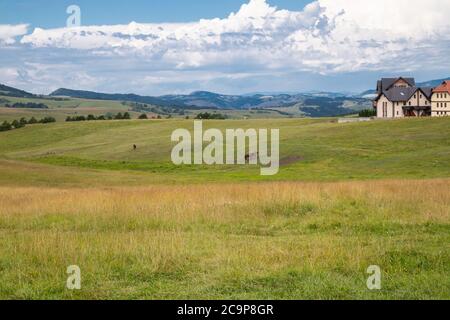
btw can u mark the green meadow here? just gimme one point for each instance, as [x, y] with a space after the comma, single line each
[347, 196]
[310, 150]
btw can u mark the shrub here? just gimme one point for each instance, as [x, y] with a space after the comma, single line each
[23, 122]
[126, 116]
[143, 116]
[118, 116]
[32, 121]
[5, 126]
[367, 113]
[211, 116]
[16, 124]
[90, 117]
[47, 120]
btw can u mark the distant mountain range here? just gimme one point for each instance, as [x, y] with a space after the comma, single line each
[312, 104]
[432, 83]
[201, 99]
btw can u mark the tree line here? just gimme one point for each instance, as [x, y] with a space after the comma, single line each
[28, 105]
[210, 116]
[119, 116]
[17, 124]
[91, 117]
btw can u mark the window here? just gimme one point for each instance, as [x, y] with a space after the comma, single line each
[420, 96]
[415, 96]
[410, 103]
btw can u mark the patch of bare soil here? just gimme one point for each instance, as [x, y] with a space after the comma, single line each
[290, 160]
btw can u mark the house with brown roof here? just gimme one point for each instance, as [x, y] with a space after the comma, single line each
[400, 97]
[440, 100]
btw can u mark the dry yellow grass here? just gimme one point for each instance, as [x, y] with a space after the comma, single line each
[248, 240]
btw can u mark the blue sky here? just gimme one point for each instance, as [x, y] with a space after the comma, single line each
[227, 46]
[51, 13]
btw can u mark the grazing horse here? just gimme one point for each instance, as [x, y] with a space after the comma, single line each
[252, 156]
[134, 147]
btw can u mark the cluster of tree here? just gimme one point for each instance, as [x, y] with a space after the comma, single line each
[210, 116]
[16, 124]
[28, 105]
[142, 107]
[119, 116]
[367, 113]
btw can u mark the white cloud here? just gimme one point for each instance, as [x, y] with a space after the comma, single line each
[8, 33]
[327, 36]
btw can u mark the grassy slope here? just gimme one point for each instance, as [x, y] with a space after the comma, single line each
[72, 106]
[61, 109]
[321, 150]
[139, 228]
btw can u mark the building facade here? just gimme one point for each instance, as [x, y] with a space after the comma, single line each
[399, 98]
[440, 100]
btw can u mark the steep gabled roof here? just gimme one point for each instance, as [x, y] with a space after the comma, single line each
[427, 91]
[444, 87]
[387, 83]
[398, 94]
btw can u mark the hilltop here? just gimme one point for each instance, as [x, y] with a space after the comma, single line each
[13, 92]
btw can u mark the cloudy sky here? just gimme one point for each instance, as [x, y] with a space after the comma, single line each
[230, 46]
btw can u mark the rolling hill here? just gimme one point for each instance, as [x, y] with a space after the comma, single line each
[432, 83]
[307, 104]
[13, 92]
[312, 149]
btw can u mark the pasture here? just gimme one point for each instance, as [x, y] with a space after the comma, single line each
[347, 196]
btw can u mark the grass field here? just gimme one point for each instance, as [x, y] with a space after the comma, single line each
[347, 196]
[60, 110]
